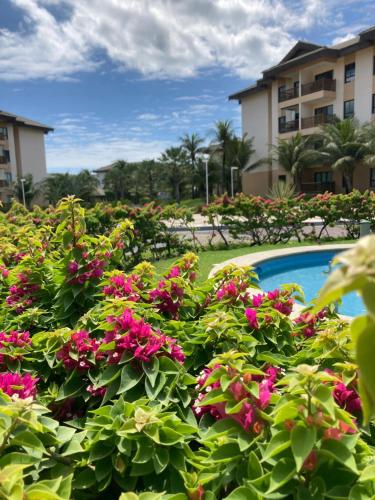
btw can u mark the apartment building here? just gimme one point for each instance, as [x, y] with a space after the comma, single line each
[309, 86]
[22, 151]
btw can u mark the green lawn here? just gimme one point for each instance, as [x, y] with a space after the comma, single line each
[210, 257]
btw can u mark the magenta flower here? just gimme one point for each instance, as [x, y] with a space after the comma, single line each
[251, 316]
[72, 267]
[76, 352]
[17, 384]
[14, 339]
[257, 300]
[139, 339]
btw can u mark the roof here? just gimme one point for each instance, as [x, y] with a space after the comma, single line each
[103, 169]
[252, 89]
[21, 120]
[304, 52]
[299, 49]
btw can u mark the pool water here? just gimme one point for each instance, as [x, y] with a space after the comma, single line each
[309, 270]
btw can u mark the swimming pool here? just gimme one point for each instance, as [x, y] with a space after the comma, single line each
[310, 271]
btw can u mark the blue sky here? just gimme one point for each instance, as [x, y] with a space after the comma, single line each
[126, 78]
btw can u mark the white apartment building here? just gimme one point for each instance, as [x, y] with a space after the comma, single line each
[22, 151]
[309, 86]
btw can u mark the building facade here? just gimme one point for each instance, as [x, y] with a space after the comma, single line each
[22, 151]
[310, 86]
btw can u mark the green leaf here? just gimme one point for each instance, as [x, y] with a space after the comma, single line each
[84, 479]
[109, 375]
[324, 395]
[161, 459]
[27, 439]
[368, 474]
[242, 493]
[213, 397]
[303, 440]
[338, 451]
[279, 442]
[129, 378]
[282, 473]
[152, 370]
[365, 352]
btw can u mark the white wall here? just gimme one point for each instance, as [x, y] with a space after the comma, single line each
[33, 157]
[254, 110]
[363, 84]
[12, 151]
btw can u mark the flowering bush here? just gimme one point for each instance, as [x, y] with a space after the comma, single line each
[278, 221]
[118, 383]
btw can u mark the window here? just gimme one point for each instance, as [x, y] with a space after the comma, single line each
[282, 89]
[349, 72]
[327, 75]
[373, 66]
[8, 177]
[323, 177]
[373, 103]
[349, 109]
[372, 177]
[3, 133]
[325, 110]
[282, 178]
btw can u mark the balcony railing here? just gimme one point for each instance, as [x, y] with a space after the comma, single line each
[317, 187]
[3, 137]
[317, 85]
[285, 95]
[316, 120]
[289, 126]
[3, 159]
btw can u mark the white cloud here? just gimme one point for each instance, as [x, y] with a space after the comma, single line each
[157, 38]
[148, 117]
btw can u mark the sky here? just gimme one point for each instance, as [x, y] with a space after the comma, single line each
[125, 79]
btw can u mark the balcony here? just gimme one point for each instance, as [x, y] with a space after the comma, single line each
[316, 120]
[289, 126]
[317, 187]
[3, 137]
[318, 85]
[285, 95]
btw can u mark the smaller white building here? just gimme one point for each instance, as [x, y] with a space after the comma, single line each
[22, 151]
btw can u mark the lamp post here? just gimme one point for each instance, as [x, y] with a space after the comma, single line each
[23, 191]
[207, 191]
[232, 169]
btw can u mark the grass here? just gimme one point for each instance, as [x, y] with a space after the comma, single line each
[210, 257]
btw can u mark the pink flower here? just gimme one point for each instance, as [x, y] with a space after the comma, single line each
[251, 316]
[139, 339]
[274, 294]
[72, 267]
[76, 352]
[257, 300]
[332, 433]
[17, 384]
[14, 339]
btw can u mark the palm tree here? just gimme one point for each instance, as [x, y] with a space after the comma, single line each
[85, 185]
[240, 151]
[295, 155]
[223, 136]
[343, 147]
[191, 144]
[175, 162]
[57, 186]
[118, 180]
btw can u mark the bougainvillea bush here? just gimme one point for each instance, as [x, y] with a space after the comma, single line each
[118, 384]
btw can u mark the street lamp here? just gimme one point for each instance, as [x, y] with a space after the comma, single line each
[23, 191]
[232, 169]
